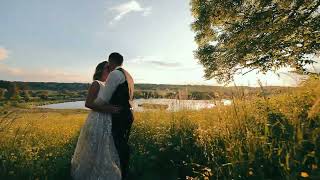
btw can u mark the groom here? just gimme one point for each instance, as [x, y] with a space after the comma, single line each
[119, 91]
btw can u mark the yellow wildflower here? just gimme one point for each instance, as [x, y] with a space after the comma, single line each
[304, 174]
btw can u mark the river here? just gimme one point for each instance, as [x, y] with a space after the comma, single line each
[171, 104]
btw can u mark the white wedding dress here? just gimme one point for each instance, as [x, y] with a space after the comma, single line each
[95, 156]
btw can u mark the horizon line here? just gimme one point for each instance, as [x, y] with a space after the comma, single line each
[18, 81]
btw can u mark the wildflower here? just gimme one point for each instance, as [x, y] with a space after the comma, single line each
[250, 173]
[314, 166]
[304, 174]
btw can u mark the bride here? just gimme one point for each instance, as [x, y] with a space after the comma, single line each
[95, 156]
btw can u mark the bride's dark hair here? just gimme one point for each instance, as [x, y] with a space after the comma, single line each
[99, 70]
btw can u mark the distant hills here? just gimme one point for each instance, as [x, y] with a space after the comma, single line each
[156, 90]
[51, 86]
[55, 86]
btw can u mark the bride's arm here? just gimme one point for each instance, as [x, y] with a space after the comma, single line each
[92, 95]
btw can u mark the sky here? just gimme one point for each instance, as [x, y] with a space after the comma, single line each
[63, 41]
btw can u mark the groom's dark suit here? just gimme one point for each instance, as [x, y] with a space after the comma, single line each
[121, 123]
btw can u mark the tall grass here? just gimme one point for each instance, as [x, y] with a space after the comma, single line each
[275, 137]
[263, 138]
[38, 144]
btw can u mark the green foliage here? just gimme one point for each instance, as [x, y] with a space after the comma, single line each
[13, 92]
[25, 95]
[196, 95]
[2, 94]
[146, 94]
[43, 95]
[78, 91]
[233, 35]
[52, 86]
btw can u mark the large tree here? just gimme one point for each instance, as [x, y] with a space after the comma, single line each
[13, 91]
[233, 35]
[2, 93]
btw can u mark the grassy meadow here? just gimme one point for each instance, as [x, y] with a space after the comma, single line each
[266, 137]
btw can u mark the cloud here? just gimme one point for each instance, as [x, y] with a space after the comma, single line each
[129, 7]
[4, 54]
[155, 61]
[43, 75]
[165, 64]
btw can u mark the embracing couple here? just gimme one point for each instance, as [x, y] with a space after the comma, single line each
[102, 151]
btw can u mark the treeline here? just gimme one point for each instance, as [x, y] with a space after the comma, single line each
[50, 86]
[198, 92]
[24, 92]
[30, 91]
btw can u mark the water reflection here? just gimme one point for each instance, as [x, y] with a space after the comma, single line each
[144, 104]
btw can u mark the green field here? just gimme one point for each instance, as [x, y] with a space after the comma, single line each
[268, 137]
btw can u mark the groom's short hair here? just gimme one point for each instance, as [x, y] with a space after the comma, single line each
[116, 59]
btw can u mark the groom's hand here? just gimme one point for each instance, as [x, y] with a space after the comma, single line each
[107, 108]
[115, 109]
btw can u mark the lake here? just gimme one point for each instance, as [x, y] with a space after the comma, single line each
[171, 104]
